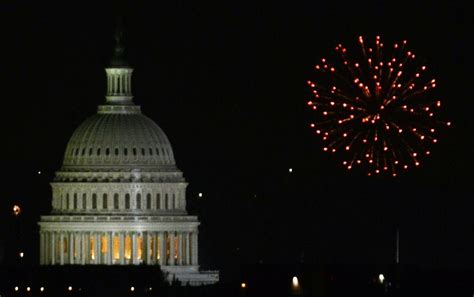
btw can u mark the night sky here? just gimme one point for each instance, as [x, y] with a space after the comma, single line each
[226, 81]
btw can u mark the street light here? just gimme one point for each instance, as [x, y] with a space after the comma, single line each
[16, 210]
[295, 286]
[243, 285]
[381, 278]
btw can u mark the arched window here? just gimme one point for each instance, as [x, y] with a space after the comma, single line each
[67, 201]
[75, 201]
[158, 201]
[143, 152]
[134, 151]
[151, 151]
[84, 201]
[125, 151]
[174, 201]
[104, 201]
[166, 201]
[157, 151]
[139, 201]
[116, 151]
[98, 152]
[116, 201]
[127, 201]
[163, 151]
[94, 201]
[148, 201]
[77, 151]
[107, 151]
[90, 152]
[83, 151]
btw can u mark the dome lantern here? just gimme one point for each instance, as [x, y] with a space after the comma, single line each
[119, 74]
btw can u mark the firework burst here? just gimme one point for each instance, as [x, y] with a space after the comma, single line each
[376, 106]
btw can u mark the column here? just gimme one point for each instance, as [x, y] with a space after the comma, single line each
[61, 248]
[122, 248]
[134, 248]
[172, 260]
[194, 248]
[41, 248]
[153, 248]
[84, 248]
[110, 259]
[147, 248]
[180, 248]
[186, 245]
[70, 248]
[47, 248]
[97, 248]
[162, 249]
[77, 243]
[53, 242]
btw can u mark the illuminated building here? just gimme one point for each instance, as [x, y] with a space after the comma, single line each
[119, 198]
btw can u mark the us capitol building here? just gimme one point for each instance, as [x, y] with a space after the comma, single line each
[119, 198]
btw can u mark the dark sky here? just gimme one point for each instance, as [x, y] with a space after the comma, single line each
[226, 82]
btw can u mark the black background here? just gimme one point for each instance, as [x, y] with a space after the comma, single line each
[226, 81]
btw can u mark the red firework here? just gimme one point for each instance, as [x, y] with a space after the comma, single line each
[376, 106]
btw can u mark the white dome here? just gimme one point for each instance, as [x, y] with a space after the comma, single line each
[118, 138]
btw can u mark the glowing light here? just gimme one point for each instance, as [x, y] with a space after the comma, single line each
[16, 210]
[385, 112]
[132, 289]
[28, 289]
[69, 288]
[16, 288]
[295, 282]
[200, 195]
[243, 285]
[381, 278]
[290, 170]
[42, 289]
[39, 172]
[21, 254]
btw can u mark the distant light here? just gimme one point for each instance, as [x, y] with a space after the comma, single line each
[290, 170]
[39, 172]
[132, 289]
[21, 254]
[69, 288]
[16, 210]
[150, 288]
[295, 282]
[28, 289]
[16, 288]
[381, 278]
[42, 289]
[200, 195]
[243, 285]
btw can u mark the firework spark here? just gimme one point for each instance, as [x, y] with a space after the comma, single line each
[377, 106]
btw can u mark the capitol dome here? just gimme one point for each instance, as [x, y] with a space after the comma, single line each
[118, 137]
[119, 198]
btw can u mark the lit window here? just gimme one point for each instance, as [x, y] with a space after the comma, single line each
[116, 247]
[104, 244]
[128, 247]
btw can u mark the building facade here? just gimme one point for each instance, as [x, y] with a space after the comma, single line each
[119, 198]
